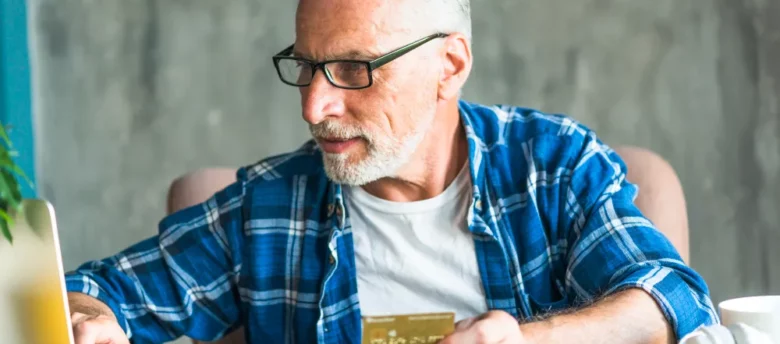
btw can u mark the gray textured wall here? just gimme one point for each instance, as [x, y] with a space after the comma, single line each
[131, 93]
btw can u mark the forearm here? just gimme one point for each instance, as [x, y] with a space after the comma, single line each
[85, 304]
[630, 316]
[139, 286]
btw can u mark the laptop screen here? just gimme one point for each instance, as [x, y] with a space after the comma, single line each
[32, 287]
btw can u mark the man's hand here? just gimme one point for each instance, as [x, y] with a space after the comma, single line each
[101, 329]
[494, 327]
[93, 322]
[629, 316]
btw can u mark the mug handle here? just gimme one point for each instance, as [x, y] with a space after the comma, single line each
[715, 334]
[746, 334]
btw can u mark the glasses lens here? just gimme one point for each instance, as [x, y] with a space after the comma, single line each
[349, 74]
[295, 72]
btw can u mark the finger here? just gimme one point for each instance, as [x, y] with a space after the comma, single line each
[99, 331]
[77, 318]
[509, 328]
[481, 331]
[85, 333]
[464, 324]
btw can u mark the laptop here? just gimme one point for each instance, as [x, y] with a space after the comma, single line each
[33, 307]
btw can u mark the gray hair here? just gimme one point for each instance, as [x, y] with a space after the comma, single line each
[449, 16]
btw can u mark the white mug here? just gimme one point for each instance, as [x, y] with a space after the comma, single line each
[752, 317]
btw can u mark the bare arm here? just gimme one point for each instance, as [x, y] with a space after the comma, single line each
[93, 321]
[87, 305]
[630, 316]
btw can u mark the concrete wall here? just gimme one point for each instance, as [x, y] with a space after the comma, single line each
[130, 94]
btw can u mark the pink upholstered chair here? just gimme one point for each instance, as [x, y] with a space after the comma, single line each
[660, 198]
[194, 188]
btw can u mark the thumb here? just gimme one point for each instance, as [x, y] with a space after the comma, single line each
[97, 330]
[464, 324]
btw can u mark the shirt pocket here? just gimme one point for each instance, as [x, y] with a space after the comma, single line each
[541, 306]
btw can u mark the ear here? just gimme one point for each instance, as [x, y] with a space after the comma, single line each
[456, 56]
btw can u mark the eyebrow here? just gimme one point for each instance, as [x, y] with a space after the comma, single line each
[350, 55]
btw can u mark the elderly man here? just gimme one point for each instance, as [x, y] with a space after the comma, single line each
[408, 200]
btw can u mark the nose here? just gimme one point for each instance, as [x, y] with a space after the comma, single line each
[321, 100]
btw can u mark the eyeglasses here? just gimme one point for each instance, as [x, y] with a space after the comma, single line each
[347, 74]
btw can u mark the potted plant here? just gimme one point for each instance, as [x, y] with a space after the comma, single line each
[31, 294]
[10, 192]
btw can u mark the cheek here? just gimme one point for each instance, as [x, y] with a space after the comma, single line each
[398, 103]
[369, 109]
[388, 107]
[406, 107]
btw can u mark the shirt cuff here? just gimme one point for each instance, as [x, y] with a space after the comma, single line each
[80, 283]
[686, 307]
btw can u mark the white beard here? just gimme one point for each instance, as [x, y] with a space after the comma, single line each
[386, 155]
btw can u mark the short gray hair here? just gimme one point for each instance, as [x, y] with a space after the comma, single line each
[449, 16]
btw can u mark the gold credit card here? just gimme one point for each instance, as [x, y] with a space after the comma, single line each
[408, 328]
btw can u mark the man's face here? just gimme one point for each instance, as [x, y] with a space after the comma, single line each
[370, 133]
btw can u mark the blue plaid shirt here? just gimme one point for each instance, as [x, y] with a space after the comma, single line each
[552, 217]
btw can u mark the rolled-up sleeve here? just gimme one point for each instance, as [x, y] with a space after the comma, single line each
[612, 246]
[180, 282]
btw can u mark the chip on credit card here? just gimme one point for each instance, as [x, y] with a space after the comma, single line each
[408, 328]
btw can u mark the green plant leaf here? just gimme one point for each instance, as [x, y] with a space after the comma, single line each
[10, 192]
[5, 217]
[4, 137]
[5, 224]
[7, 154]
[10, 166]
[5, 191]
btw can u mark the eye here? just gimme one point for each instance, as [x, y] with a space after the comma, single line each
[352, 67]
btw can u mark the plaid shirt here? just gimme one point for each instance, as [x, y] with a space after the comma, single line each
[552, 218]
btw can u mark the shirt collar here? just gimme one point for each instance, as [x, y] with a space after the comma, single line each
[476, 148]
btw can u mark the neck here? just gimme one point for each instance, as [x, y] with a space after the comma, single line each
[437, 161]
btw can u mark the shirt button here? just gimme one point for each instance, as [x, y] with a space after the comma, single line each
[331, 259]
[330, 209]
[478, 205]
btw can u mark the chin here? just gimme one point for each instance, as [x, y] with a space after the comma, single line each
[343, 170]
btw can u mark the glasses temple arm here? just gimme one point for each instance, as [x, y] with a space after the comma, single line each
[383, 60]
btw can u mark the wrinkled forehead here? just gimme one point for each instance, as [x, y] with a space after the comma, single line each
[329, 28]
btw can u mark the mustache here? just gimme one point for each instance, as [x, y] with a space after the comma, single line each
[335, 130]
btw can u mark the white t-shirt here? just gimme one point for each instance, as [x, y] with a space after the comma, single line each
[416, 257]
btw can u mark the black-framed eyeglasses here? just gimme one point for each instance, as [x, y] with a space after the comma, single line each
[348, 74]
